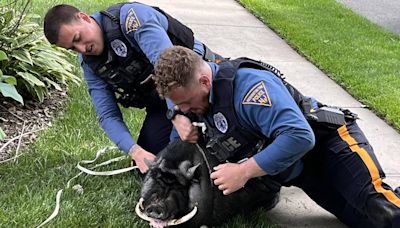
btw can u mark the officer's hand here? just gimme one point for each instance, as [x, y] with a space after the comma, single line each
[229, 177]
[139, 155]
[185, 129]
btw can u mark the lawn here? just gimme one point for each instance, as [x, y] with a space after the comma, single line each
[29, 185]
[360, 56]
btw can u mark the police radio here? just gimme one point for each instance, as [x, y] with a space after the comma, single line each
[330, 116]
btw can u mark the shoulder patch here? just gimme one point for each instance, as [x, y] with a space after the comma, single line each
[258, 95]
[132, 22]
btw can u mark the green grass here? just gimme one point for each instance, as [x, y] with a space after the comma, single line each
[28, 187]
[359, 55]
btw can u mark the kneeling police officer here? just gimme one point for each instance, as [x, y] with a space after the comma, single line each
[258, 124]
[118, 48]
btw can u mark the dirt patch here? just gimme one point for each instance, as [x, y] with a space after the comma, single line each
[22, 123]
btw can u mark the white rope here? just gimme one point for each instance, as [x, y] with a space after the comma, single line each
[200, 124]
[158, 223]
[9, 159]
[104, 173]
[55, 212]
[90, 172]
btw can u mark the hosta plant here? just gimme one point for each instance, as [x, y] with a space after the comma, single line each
[7, 83]
[35, 63]
[7, 88]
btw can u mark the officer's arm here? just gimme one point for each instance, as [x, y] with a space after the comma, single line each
[107, 110]
[279, 119]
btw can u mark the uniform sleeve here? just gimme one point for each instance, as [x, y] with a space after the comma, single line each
[266, 106]
[147, 28]
[107, 110]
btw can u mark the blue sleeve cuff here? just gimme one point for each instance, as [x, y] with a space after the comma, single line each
[126, 143]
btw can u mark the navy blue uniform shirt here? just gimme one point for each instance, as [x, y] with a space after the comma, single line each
[150, 35]
[277, 117]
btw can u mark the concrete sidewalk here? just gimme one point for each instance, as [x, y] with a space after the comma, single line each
[230, 30]
[384, 13]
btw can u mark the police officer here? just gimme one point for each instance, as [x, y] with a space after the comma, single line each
[118, 48]
[318, 148]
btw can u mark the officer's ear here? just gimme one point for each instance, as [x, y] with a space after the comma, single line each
[83, 16]
[204, 80]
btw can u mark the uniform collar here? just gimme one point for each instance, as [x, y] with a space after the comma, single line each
[97, 17]
[214, 69]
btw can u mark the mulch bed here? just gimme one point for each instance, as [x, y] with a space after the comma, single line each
[23, 123]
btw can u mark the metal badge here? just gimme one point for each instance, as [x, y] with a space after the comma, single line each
[119, 48]
[220, 122]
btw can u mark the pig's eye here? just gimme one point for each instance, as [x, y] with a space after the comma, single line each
[169, 178]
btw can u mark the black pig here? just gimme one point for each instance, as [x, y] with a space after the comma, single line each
[178, 183]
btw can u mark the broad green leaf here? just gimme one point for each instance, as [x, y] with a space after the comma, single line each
[28, 26]
[9, 40]
[22, 55]
[8, 16]
[3, 56]
[52, 56]
[54, 84]
[31, 78]
[30, 58]
[32, 16]
[9, 79]
[2, 134]
[29, 40]
[9, 91]
[40, 92]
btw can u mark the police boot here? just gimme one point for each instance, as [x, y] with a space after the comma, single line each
[397, 191]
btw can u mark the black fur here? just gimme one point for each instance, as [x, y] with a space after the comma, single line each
[170, 192]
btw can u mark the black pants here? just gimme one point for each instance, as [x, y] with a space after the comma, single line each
[156, 128]
[343, 176]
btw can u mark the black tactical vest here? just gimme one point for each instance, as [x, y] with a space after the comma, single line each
[228, 140]
[127, 74]
[225, 137]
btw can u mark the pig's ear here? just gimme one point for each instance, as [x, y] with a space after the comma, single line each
[187, 169]
[162, 165]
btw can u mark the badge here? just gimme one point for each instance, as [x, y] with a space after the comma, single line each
[132, 23]
[258, 95]
[220, 122]
[119, 48]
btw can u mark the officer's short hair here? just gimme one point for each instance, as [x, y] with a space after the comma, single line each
[56, 17]
[176, 66]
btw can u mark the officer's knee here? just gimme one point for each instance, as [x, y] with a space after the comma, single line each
[390, 218]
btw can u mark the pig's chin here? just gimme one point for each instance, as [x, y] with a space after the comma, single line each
[161, 223]
[155, 223]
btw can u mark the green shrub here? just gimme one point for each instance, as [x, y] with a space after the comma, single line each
[29, 64]
[35, 63]
[7, 84]
[7, 88]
